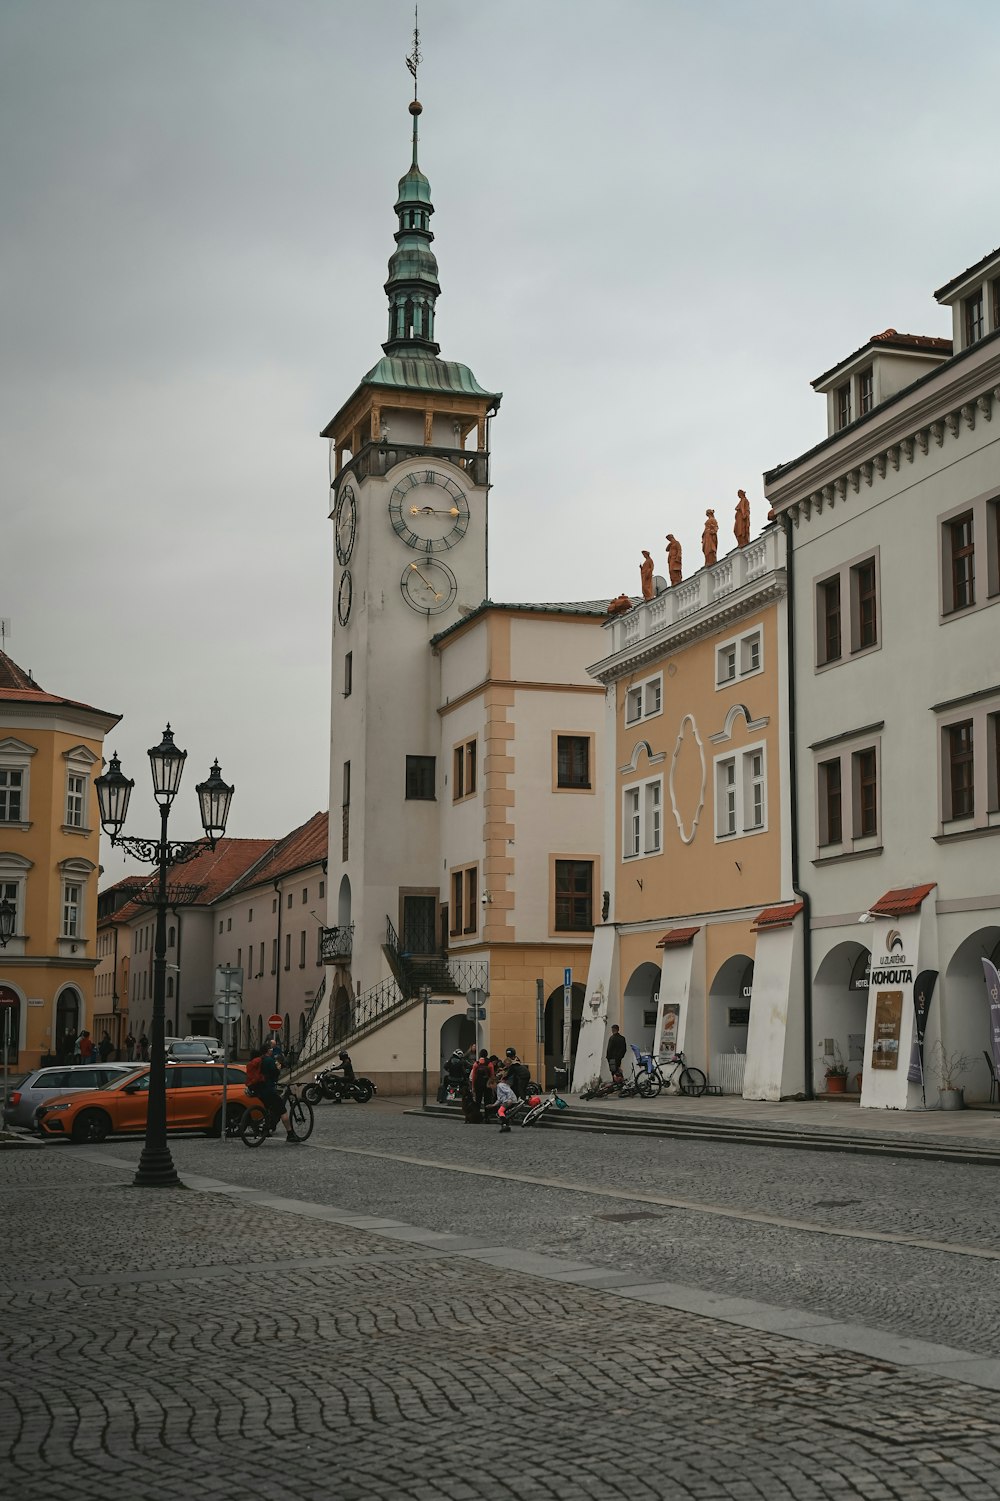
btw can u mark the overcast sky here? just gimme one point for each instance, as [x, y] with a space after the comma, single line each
[656, 223]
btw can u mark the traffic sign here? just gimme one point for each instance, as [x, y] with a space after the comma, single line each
[476, 1014]
[275, 1021]
[228, 1008]
[228, 979]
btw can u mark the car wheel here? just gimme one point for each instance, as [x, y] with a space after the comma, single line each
[90, 1125]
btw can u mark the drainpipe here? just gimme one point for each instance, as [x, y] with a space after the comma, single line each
[793, 812]
[277, 965]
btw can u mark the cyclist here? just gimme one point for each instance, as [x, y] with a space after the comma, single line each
[269, 1094]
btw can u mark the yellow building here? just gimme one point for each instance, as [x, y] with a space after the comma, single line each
[50, 751]
[696, 834]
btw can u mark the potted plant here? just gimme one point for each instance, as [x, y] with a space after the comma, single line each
[949, 1067]
[835, 1073]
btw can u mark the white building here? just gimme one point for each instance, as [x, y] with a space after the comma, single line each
[894, 562]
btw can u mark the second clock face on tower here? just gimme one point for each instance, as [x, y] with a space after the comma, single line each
[344, 596]
[429, 511]
[345, 522]
[428, 586]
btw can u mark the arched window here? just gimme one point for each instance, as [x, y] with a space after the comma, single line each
[171, 936]
[67, 1021]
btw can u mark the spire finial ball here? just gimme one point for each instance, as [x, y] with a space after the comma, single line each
[415, 107]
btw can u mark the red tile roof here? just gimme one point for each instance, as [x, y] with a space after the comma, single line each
[676, 937]
[12, 676]
[890, 339]
[18, 686]
[212, 872]
[778, 917]
[902, 900]
[306, 845]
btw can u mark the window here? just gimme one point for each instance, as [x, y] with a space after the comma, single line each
[972, 309]
[302, 950]
[863, 603]
[865, 778]
[642, 824]
[420, 778]
[866, 390]
[830, 617]
[573, 761]
[288, 950]
[643, 700]
[970, 763]
[220, 924]
[464, 780]
[963, 559]
[322, 890]
[847, 610]
[842, 396]
[970, 555]
[831, 824]
[961, 768]
[76, 799]
[239, 958]
[71, 903]
[348, 674]
[574, 896]
[229, 924]
[249, 915]
[11, 785]
[274, 956]
[995, 300]
[739, 658]
[741, 793]
[847, 794]
[345, 814]
[305, 895]
[464, 901]
[288, 901]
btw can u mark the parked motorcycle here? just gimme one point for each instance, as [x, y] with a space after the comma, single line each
[338, 1083]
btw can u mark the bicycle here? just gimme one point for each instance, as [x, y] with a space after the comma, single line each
[257, 1123]
[691, 1081]
[535, 1112]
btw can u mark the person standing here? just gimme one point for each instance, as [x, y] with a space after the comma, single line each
[105, 1047]
[483, 1081]
[129, 1046]
[143, 1047]
[84, 1051]
[270, 1095]
[617, 1048]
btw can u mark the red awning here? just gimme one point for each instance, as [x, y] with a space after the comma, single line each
[778, 917]
[676, 937]
[901, 901]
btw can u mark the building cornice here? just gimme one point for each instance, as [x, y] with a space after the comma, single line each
[964, 391]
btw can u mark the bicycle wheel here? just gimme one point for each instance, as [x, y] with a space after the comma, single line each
[300, 1113]
[648, 1086]
[693, 1081]
[253, 1126]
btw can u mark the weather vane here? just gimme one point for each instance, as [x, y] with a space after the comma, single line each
[415, 58]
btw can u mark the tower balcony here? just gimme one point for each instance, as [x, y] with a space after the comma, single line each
[377, 459]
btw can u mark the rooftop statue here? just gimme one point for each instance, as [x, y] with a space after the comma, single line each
[646, 574]
[710, 538]
[674, 559]
[620, 605]
[741, 528]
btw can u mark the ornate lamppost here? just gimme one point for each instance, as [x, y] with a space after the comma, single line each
[8, 921]
[156, 1168]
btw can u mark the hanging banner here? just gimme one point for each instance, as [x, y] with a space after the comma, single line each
[668, 1030]
[993, 993]
[888, 1024]
[923, 989]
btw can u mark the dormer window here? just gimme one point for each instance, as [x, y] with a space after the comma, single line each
[973, 311]
[844, 405]
[866, 390]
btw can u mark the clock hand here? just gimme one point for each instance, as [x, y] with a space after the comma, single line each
[426, 580]
[431, 511]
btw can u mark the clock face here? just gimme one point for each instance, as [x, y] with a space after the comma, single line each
[428, 586]
[429, 511]
[344, 596]
[345, 523]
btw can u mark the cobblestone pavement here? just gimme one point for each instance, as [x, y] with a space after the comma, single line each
[161, 1343]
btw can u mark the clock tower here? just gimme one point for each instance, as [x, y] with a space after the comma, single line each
[409, 490]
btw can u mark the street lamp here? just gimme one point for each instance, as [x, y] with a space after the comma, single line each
[8, 921]
[156, 1167]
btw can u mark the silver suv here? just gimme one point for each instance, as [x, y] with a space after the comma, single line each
[25, 1097]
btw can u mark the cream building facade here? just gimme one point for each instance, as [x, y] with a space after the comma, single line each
[894, 552]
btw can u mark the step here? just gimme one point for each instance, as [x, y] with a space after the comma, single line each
[747, 1135]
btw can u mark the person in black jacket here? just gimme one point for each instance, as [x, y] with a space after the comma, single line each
[516, 1073]
[617, 1048]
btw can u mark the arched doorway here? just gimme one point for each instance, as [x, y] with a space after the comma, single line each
[840, 1012]
[10, 1025]
[68, 1012]
[639, 1002]
[340, 1015]
[458, 1032]
[554, 1031]
[729, 1022]
[344, 903]
[964, 1018]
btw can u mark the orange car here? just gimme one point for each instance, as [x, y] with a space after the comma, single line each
[194, 1103]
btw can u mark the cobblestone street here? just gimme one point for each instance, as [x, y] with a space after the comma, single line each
[402, 1330]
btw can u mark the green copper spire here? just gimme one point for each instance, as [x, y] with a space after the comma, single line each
[412, 288]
